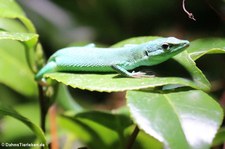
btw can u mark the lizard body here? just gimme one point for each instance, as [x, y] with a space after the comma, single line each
[92, 59]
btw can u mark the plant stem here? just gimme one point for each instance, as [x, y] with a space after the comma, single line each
[43, 108]
[132, 137]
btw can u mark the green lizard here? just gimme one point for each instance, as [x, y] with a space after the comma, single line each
[92, 59]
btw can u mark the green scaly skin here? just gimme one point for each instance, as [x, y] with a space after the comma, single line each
[92, 59]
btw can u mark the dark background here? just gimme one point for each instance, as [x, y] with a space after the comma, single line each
[109, 21]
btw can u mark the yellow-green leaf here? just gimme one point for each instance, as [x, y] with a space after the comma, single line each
[10, 9]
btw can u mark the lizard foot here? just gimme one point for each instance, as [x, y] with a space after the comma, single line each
[140, 75]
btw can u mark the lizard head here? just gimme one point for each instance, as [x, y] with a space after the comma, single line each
[161, 49]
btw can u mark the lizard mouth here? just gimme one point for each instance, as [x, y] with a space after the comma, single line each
[180, 47]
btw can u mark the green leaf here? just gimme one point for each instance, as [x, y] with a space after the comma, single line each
[10, 9]
[15, 74]
[13, 64]
[220, 137]
[93, 127]
[113, 83]
[30, 39]
[201, 47]
[184, 120]
[37, 130]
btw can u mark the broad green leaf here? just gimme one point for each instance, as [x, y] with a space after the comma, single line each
[188, 119]
[13, 63]
[98, 129]
[201, 47]
[16, 75]
[113, 82]
[37, 130]
[10, 9]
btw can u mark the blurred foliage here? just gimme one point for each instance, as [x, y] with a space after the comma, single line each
[60, 23]
[114, 20]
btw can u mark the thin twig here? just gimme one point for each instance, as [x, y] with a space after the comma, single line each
[132, 138]
[43, 109]
[190, 15]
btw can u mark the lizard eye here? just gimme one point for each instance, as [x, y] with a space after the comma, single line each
[165, 46]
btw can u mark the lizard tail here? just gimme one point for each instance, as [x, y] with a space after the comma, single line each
[49, 67]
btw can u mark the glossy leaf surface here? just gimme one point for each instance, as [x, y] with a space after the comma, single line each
[113, 82]
[188, 119]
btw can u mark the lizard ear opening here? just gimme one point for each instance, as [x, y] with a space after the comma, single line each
[146, 53]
